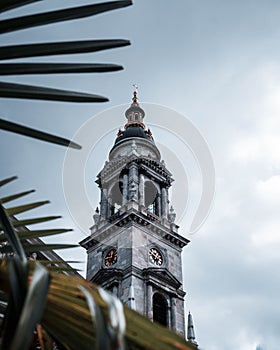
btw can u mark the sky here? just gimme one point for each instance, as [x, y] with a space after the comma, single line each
[216, 62]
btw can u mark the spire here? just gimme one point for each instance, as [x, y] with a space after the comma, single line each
[190, 334]
[135, 98]
[135, 113]
[131, 299]
[134, 126]
[96, 216]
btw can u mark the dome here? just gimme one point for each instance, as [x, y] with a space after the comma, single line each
[134, 130]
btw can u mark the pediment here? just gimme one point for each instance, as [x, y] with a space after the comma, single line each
[105, 275]
[163, 275]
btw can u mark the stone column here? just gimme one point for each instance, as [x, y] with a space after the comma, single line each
[150, 302]
[142, 190]
[158, 205]
[125, 189]
[109, 207]
[103, 203]
[164, 203]
[173, 313]
[169, 321]
[167, 201]
[133, 181]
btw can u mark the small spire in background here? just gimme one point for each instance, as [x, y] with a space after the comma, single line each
[131, 299]
[96, 216]
[190, 335]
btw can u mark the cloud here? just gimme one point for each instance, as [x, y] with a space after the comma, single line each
[260, 142]
[269, 190]
[262, 145]
[269, 234]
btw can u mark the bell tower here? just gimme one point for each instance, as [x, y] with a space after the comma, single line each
[134, 249]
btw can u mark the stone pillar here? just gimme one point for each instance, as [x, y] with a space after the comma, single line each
[164, 203]
[133, 181]
[167, 201]
[125, 189]
[142, 190]
[173, 313]
[109, 207]
[158, 205]
[103, 204]
[150, 302]
[169, 321]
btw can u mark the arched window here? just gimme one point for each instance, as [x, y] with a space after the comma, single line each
[151, 195]
[115, 197]
[159, 309]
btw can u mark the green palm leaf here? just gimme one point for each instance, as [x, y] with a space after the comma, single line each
[11, 236]
[25, 235]
[56, 68]
[32, 310]
[36, 134]
[15, 196]
[6, 181]
[6, 5]
[17, 238]
[40, 19]
[59, 48]
[22, 208]
[31, 248]
[26, 222]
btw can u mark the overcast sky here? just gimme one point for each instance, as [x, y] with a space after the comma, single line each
[217, 63]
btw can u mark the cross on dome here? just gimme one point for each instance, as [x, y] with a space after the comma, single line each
[135, 92]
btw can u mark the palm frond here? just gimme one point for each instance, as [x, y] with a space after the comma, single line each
[15, 196]
[16, 238]
[6, 181]
[68, 319]
[40, 19]
[73, 312]
[22, 208]
[12, 90]
[59, 48]
[31, 248]
[32, 310]
[26, 222]
[36, 134]
[30, 234]
[23, 91]
[56, 68]
[6, 5]
[11, 236]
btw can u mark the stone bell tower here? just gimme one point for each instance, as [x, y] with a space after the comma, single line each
[134, 249]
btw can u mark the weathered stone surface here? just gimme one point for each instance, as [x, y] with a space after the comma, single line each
[135, 221]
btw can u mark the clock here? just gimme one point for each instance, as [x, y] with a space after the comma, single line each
[155, 257]
[111, 257]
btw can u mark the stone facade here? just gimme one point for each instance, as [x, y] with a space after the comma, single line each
[134, 249]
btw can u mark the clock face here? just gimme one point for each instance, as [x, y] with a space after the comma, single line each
[155, 257]
[111, 257]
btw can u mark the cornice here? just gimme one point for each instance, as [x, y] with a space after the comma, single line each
[129, 218]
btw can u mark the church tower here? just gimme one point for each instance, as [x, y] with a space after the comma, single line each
[134, 249]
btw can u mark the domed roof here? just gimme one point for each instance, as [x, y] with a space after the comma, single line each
[134, 130]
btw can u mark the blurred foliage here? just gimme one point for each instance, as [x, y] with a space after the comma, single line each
[65, 311]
